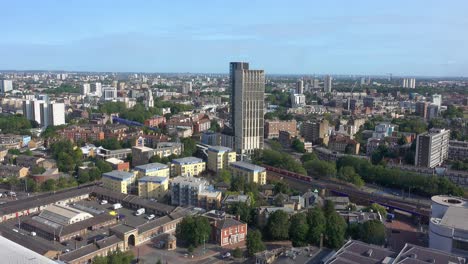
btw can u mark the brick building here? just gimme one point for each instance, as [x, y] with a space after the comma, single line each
[272, 128]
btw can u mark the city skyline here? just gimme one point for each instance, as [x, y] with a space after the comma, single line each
[420, 38]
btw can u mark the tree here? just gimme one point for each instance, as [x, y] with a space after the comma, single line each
[225, 176]
[237, 253]
[317, 224]
[277, 226]
[373, 232]
[103, 166]
[94, 174]
[375, 207]
[190, 147]
[298, 145]
[335, 230]
[242, 210]
[308, 156]
[194, 230]
[320, 168]
[190, 249]
[48, 185]
[214, 126]
[238, 184]
[298, 230]
[254, 242]
[83, 177]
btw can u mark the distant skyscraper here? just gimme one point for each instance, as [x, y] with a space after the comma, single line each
[6, 86]
[437, 99]
[421, 109]
[86, 89]
[98, 89]
[409, 83]
[149, 99]
[247, 104]
[187, 87]
[300, 87]
[432, 148]
[327, 84]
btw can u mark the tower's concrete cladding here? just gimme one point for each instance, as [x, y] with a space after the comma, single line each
[247, 102]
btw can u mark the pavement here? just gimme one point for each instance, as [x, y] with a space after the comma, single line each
[147, 253]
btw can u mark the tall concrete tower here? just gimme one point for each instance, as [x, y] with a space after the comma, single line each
[327, 84]
[247, 105]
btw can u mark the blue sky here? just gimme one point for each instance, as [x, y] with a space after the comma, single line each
[410, 37]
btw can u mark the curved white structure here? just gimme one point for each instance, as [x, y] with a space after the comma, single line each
[448, 226]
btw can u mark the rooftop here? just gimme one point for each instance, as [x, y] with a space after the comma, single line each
[154, 179]
[247, 166]
[219, 149]
[114, 161]
[416, 254]
[151, 167]
[356, 252]
[118, 175]
[16, 253]
[187, 160]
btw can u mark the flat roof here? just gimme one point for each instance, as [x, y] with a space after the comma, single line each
[187, 160]
[151, 167]
[15, 253]
[450, 201]
[115, 161]
[455, 217]
[43, 199]
[219, 149]
[247, 166]
[142, 148]
[415, 254]
[118, 175]
[155, 179]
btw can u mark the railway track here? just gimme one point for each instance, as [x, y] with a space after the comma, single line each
[415, 208]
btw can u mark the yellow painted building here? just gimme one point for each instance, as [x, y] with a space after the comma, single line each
[153, 169]
[189, 166]
[153, 187]
[119, 181]
[220, 157]
[251, 172]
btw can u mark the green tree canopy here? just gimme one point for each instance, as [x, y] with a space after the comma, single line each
[317, 224]
[320, 168]
[298, 230]
[335, 230]
[277, 226]
[254, 242]
[194, 230]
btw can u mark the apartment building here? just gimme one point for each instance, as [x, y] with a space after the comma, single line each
[251, 172]
[153, 187]
[220, 157]
[432, 148]
[190, 166]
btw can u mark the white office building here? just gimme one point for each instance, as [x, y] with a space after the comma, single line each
[298, 100]
[448, 226]
[6, 86]
[109, 93]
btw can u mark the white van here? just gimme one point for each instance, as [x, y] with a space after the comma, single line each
[116, 206]
[140, 211]
[33, 233]
[103, 202]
